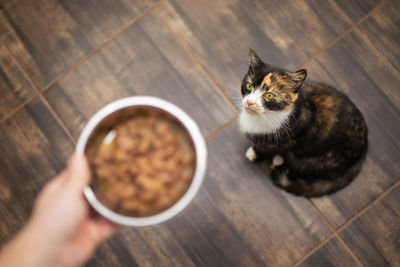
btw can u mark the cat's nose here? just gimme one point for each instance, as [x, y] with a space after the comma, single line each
[249, 103]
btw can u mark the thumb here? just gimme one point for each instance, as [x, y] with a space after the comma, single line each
[78, 171]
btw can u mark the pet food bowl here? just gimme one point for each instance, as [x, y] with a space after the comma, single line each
[123, 108]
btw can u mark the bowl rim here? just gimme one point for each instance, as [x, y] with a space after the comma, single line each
[195, 135]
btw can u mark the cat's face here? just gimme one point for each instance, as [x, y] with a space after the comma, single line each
[265, 89]
[269, 95]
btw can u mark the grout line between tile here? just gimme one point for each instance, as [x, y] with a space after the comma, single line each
[30, 80]
[142, 233]
[44, 100]
[366, 16]
[353, 27]
[207, 139]
[311, 251]
[340, 228]
[55, 114]
[342, 13]
[97, 49]
[334, 231]
[349, 250]
[217, 131]
[19, 108]
[58, 118]
[359, 213]
[363, 210]
[189, 52]
[61, 122]
[326, 47]
[24, 72]
[197, 61]
[343, 34]
[39, 92]
[324, 218]
[362, 35]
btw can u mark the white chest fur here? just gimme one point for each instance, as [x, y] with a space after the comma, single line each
[268, 122]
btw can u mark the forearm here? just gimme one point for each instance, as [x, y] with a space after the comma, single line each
[28, 248]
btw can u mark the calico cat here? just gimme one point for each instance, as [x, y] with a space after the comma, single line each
[313, 136]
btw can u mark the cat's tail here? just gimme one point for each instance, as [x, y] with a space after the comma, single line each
[312, 187]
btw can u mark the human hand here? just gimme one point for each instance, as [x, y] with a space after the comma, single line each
[61, 231]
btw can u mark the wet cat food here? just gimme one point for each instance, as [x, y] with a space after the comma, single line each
[142, 165]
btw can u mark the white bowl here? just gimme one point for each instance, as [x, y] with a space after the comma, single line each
[128, 105]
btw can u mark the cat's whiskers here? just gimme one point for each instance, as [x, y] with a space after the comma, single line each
[287, 130]
[293, 117]
[274, 136]
[236, 100]
[286, 127]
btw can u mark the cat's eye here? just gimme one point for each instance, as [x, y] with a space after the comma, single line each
[249, 86]
[269, 96]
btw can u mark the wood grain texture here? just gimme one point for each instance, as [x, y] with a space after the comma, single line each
[383, 31]
[126, 248]
[144, 60]
[33, 149]
[283, 33]
[375, 235]
[352, 66]
[331, 254]
[239, 218]
[52, 35]
[356, 9]
[15, 89]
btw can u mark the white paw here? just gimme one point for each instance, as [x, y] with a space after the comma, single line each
[284, 180]
[277, 160]
[250, 154]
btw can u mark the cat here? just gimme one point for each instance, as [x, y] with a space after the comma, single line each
[312, 136]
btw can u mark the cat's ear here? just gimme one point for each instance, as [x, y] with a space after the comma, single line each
[296, 78]
[254, 58]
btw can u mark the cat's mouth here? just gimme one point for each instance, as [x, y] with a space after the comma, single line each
[252, 110]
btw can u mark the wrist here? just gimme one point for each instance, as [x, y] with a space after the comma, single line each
[28, 249]
[40, 250]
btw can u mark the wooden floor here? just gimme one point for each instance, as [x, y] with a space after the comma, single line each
[60, 61]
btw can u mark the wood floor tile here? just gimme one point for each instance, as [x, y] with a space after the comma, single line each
[375, 235]
[33, 149]
[382, 30]
[126, 248]
[153, 2]
[283, 33]
[49, 37]
[144, 60]
[331, 254]
[356, 9]
[15, 89]
[238, 218]
[353, 66]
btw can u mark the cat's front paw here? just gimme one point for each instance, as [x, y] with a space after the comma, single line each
[280, 177]
[277, 160]
[251, 154]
